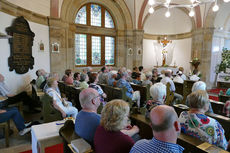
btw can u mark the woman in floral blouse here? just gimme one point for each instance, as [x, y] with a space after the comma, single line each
[195, 123]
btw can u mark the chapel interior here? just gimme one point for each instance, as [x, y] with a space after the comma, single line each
[78, 34]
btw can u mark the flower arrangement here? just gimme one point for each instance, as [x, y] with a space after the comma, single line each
[225, 63]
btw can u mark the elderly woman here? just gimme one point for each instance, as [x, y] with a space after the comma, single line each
[93, 79]
[69, 77]
[148, 77]
[83, 81]
[59, 103]
[110, 136]
[195, 123]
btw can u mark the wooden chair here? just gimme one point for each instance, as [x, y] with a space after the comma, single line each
[6, 127]
[169, 95]
[187, 89]
[49, 113]
[224, 98]
[179, 88]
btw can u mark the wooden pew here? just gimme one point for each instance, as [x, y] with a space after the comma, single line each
[144, 92]
[187, 89]
[217, 107]
[169, 95]
[179, 88]
[191, 144]
[224, 98]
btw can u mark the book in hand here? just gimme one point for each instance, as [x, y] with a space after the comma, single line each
[80, 145]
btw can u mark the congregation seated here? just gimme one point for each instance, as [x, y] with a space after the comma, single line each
[83, 81]
[228, 92]
[87, 70]
[178, 77]
[93, 79]
[68, 77]
[226, 109]
[112, 80]
[52, 75]
[65, 75]
[183, 76]
[134, 95]
[154, 78]
[103, 76]
[76, 79]
[129, 78]
[195, 123]
[87, 119]
[147, 81]
[200, 85]
[111, 135]
[13, 113]
[135, 71]
[41, 78]
[194, 77]
[141, 71]
[167, 79]
[12, 98]
[166, 128]
[158, 94]
[136, 78]
[60, 103]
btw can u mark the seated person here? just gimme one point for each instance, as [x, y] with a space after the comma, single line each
[167, 79]
[148, 77]
[56, 76]
[13, 113]
[178, 77]
[155, 78]
[183, 76]
[195, 77]
[135, 71]
[83, 81]
[93, 79]
[112, 81]
[59, 103]
[65, 75]
[69, 77]
[200, 85]
[40, 77]
[226, 109]
[158, 94]
[129, 78]
[103, 77]
[87, 119]
[129, 93]
[166, 128]
[15, 98]
[136, 78]
[141, 71]
[110, 136]
[195, 123]
[76, 79]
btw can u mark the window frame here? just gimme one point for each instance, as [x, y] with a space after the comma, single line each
[107, 32]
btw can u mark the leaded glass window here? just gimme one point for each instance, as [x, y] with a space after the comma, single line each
[81, 16]
[108, 20]
[95, 15]
[80, 49]
[96, 50]
[109, 50]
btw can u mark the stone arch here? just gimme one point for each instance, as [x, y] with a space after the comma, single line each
[118, 10]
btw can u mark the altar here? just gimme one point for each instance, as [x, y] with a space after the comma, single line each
[223, 80]
[174, 69]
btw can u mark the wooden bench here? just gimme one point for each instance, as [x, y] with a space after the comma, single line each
[187, 89]
[144, 92]
[179, 88]
[224, 98]
[217, 107]
[191, 144]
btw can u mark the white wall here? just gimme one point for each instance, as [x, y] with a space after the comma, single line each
[17, 82]
[181, 55]
[178, 22]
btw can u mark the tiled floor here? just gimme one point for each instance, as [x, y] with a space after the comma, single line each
[19, 143]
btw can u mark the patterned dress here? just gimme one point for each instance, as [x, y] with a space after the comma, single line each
[204, 128]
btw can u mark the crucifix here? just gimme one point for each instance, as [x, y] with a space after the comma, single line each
[164, 43]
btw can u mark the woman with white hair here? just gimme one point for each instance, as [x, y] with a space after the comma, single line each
[158, 94]
[148, 77]
[109, 136]
[195, 123]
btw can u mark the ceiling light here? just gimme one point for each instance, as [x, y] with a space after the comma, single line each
[151, 10]
[167, 14]
[151, 2]
[226, 1]
[192, 1]
[168, 1]
[215, 8]
[191, 13]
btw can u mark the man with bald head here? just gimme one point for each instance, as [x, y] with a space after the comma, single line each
[87, 119]
[166, 128]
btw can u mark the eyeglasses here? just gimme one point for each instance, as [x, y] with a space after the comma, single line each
[97, 97]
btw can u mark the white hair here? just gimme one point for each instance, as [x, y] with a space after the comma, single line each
[200, 85]
[158, 91]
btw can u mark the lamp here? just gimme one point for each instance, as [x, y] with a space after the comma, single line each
[172, 4]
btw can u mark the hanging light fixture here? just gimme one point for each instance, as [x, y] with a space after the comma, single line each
[167, 14]
[169, 4]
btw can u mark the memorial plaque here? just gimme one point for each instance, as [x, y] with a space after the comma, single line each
[21, 43]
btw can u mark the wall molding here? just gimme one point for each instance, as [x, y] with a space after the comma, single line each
[171, 37]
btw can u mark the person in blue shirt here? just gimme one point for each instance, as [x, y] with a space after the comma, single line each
[87, 119]
[166, 128]
[228, 92]
[134, 95]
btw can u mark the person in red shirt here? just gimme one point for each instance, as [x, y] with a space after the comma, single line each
[113, 135]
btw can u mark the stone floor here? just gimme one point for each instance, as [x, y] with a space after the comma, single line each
[19, 143]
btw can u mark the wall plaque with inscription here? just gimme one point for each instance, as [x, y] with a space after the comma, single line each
[21, 43]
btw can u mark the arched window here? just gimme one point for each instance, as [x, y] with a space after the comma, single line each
[95, 36]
